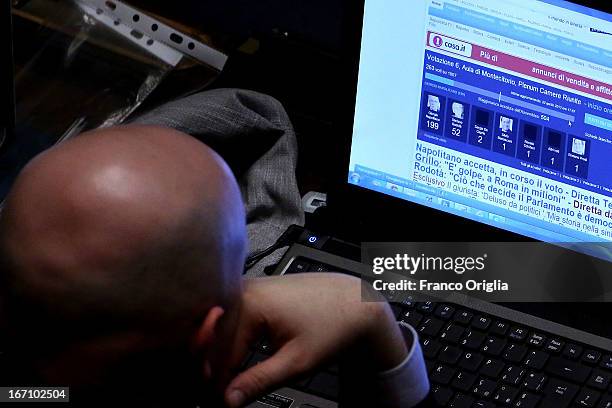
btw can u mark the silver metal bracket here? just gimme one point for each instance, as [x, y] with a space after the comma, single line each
[151, 34]
[313, 200]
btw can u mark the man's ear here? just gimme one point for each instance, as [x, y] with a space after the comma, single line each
[206, 335]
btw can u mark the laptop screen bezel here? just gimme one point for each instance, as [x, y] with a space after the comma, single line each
[366, 215]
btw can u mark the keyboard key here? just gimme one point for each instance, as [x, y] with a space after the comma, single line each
[256, 359]
[298, 266]
[245, 362]
[527, 400]
[572, 351]
[513, 375]
[606, 362]
[505, 394]
[325, 384]
[483, 404]
[515, 353]
[536, 340]
[484, 388]
[453, 333]
[472, 340]
[559, 394]
[536, 359]
[518, 334]
[264, 347]
[412, 318]
[492, 368]
[442, 374]
[606, 402]
[441, 395]
[481, 323]
[587, 398]
[494, 346]
[599, 379]
[471, 361]
[534, 382]
[320, 267]
[397, 311]
[426, 307]
[499, 328]
[554, 346]
[444, 312]
[430, 327]
[464, 381]
[591, 357]
[408, 302]
[463, 317]
[568, 370]
[403, 324]
[431, 348]
[462, 401]
[450, 355]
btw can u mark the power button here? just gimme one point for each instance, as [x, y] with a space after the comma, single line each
[313, 240]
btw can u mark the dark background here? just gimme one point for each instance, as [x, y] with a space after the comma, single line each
[298, 62]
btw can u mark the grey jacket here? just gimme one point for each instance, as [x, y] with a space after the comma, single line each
[253, 133]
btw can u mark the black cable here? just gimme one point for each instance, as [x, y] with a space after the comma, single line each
[288, 237]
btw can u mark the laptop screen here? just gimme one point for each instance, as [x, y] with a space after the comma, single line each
[495, 110]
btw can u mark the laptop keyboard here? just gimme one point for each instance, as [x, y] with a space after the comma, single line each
[479, 361]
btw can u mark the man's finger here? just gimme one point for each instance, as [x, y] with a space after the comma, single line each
[283, 366]
[248, 332]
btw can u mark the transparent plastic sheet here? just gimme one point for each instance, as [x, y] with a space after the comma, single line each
[75, 72]
[76, 69]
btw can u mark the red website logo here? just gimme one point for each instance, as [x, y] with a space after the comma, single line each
[437, 41]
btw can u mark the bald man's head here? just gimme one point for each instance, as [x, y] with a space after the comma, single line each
[130, 228]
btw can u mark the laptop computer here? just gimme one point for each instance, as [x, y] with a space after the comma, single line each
[521, 88]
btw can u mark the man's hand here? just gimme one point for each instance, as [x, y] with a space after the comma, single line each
[310, 319]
